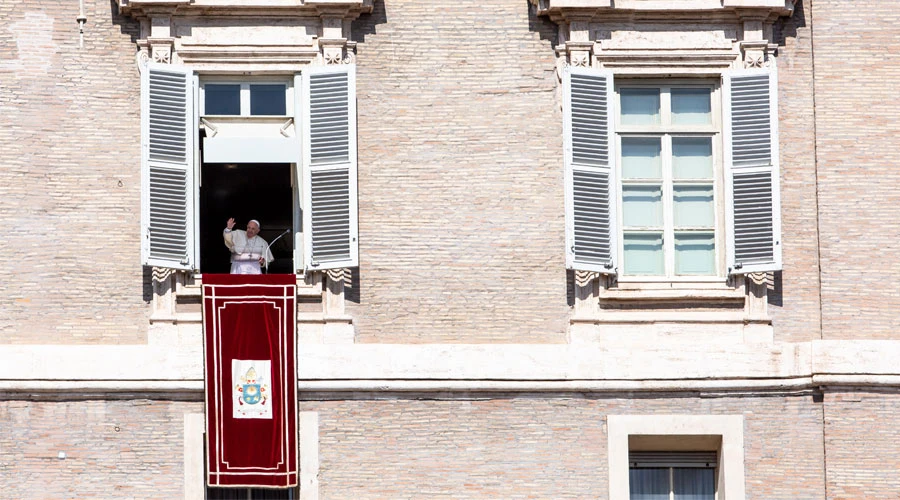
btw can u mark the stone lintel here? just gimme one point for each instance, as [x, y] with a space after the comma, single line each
[567, 10]
[350, 9]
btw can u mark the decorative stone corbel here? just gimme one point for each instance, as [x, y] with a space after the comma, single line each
[161, 49]
[579, 47]
[159, 44]
[334, 44]
[755, 49]
[338, 327]
[163, 305]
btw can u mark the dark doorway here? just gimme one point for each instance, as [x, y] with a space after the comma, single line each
[245, 191]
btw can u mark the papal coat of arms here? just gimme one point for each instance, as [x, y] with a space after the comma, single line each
[251, 388]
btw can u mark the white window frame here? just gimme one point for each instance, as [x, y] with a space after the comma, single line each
[337, 206]
[245, 82]
[672, 460]
[666, 131]
[693, 430]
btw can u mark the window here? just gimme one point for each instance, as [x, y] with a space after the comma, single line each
[221, 98]
[312, 150]
[672, 475]
[676, 457]
[250, 493]
[668, 143]
[647, 163]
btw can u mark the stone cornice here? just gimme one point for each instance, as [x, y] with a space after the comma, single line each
[170, 368]
[349, 9]
[598, 10]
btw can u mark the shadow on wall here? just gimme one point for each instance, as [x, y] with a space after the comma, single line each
[541, 25]
[127, 25]
[366, 23]
[787, 27]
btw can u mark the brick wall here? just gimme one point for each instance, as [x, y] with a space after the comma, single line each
[857, 129]
[114, 449]
[460, 175]
[541, 447]
[861, 434]
[69, 177]
[794, 303]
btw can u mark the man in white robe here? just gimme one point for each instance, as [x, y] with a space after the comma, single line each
[249, 252]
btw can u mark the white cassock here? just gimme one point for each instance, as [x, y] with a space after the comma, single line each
[245, 253]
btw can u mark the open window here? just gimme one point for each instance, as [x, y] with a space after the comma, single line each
[281, 150]
[646, 161]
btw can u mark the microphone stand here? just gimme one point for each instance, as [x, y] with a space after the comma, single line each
[266, 252]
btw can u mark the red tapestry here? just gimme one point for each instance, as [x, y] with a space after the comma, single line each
[250, 372]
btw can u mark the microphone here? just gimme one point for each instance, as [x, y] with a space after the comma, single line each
[266, 251]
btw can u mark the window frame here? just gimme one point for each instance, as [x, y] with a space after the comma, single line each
[245, 82]
[176, 100]
[666, 131]
[679, 433]
[670, 461]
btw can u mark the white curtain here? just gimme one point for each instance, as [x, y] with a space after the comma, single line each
[694, 484]
[649, 484]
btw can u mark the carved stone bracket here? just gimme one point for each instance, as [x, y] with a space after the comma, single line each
[337, 51]
[584, 278]
[334, 42]
[758, 278]
[161, 49]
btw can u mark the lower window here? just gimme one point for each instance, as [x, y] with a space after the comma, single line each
[672, 475]
[250, 494]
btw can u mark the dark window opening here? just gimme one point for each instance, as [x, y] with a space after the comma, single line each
[222, 99]
[267, 99]
[246, 191]
[249, 493]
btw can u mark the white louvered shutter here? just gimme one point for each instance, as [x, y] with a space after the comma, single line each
[751, 171]
[590, 174]
[297, 177]
[329, 167]
[168, 173]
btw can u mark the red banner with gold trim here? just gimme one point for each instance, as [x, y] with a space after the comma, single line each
[250, 373]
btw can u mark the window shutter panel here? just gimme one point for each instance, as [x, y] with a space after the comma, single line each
[297, 177]
[329, 167]
[168, 174]
[751, 171]
[590, 173]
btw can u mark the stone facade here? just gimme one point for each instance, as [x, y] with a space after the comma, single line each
[460, 359]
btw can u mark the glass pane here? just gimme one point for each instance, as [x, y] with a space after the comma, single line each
[648, 484]
[644, 254]
[691, 106]
[692, 158]
[695, 254]
[693, 206]
[267, 100]
[641, 158]
[222, 99]
[642, 206]
[694, 484]
[639, 106]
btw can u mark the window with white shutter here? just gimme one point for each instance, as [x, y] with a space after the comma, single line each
[672, 179]
[168, 172]
[329, 167]
[322, 102]
[590, 173]
[752, 173]
[668, 135]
